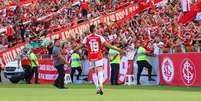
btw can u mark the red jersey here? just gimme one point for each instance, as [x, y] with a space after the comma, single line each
[84, 5]
[94, 44]
[26, 62]
[9, 30]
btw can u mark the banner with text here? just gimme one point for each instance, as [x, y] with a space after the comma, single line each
[10, 54]
[108, 19]
[48, 73]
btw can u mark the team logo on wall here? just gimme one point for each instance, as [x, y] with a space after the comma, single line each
[167, 70]
[187, 71]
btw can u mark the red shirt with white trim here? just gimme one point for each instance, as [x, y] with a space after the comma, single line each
[94, 44]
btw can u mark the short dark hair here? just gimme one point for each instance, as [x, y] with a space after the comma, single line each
[55, 40]
[92, 28]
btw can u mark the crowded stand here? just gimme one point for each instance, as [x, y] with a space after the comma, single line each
[39, 17]
[130, 29]
[48, 16]
[159, 28]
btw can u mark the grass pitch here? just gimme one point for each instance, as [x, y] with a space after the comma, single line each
[87, 92]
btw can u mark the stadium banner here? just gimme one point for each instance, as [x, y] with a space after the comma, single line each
[48, 73]
[108, 19]
[126, 68]
[10, 54]
[181, 69]
[115, 17]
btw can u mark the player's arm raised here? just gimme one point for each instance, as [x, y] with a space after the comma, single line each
[79, 47]
[82, 45]
[112, 47]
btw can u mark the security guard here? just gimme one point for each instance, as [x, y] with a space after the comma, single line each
[115, 64]
[34, 64]
[142, 62]
[75, 65]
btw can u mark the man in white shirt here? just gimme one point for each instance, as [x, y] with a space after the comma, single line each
[185, 5]
[157, 46]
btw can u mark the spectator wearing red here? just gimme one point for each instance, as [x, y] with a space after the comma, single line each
[142, 3]
[188, 42]
[10, 33]
[167, 43]
[84, 8]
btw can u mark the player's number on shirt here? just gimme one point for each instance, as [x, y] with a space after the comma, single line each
[94, 46]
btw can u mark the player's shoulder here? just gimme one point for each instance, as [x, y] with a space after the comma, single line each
[93, 35]
[99, 36]
[90, 35]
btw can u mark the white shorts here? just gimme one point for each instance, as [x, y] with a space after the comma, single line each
[95, 63]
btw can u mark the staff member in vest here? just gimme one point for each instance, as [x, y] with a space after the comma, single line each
[115, 64]
[75, 65]
[34, 64]
[142, 62]
[59, 61]
[26, 65]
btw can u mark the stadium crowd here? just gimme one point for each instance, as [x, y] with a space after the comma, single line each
[157, 27]
[22, 23]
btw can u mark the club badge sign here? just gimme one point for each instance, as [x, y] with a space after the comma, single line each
[180, 69]
[167, 70]
[188, 72]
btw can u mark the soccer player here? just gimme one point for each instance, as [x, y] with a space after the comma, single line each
[94, 44]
